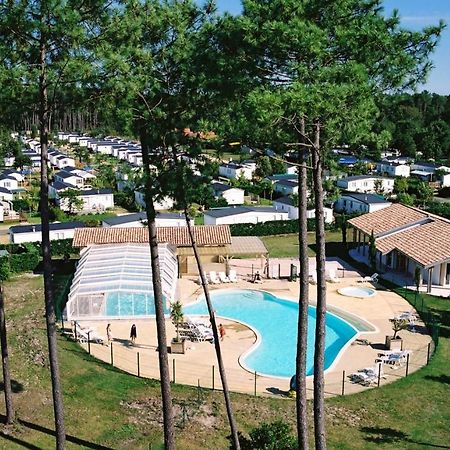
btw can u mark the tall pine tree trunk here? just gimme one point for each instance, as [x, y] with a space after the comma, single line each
[319, 350]
[302, 328]
[212, 318]
[5, 362]
[50, 316]
[166, 395]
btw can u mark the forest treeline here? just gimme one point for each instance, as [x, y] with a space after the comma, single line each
[416, 124]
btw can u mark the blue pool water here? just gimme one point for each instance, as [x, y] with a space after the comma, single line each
[123, 304]
[275, 320]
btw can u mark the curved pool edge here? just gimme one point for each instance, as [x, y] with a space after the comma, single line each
[360, 325]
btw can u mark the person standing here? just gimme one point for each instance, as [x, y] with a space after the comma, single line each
[222, 332]
[109, 337]
[133, 333]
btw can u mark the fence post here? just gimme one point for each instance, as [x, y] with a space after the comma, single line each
[379, 373]
[343, 383]
[428, 353]
[112, 355]
[213, 377]
[255, 383]
[173, 364]
[279, 271]
[62, 323]
[138, 366]
[198, 391]
[407, 364]
[89, 342]
[76, 335]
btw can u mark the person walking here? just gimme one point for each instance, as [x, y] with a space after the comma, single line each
[133, 333]
[109, 337]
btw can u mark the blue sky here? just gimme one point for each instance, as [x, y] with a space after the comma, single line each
[415, 14]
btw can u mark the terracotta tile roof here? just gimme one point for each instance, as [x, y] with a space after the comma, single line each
[428, 243]
[393, 217]
[179, 236]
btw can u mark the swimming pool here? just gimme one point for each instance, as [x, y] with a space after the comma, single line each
[275, 321]
[356, 291]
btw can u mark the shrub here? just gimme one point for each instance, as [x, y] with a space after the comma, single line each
[57, 215]
[269, 436]
[21, 204]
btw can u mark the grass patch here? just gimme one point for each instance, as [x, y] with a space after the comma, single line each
[106, 407]
[286, 246]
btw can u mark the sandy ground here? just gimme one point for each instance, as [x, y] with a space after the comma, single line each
[198, 365]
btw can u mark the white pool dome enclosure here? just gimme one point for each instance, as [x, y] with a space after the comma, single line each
[115, 281]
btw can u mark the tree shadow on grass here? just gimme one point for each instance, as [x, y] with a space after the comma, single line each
[41, 429]
[445, 379]
[381, 436]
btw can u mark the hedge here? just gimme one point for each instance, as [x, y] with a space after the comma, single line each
[24, 262]
[273, 227]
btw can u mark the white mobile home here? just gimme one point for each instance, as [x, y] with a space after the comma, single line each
[243, 214]
[366, 183]
[33, 233]
[233, 196]
[352, 202]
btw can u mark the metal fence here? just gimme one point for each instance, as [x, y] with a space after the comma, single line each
[138, 361]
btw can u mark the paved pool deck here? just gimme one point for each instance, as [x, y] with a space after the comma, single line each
[198, 365]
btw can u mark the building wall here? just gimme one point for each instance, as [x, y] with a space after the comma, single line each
[234, 196]
[445, 180]
[165, 204]
[245, 218]
[365, 185]
[285, 190]
[9, 184]
[37, 236]
[350, 205]
[402, 170]
[290, 209]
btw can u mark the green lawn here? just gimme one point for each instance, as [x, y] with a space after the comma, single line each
[105, 407]
[287, 246]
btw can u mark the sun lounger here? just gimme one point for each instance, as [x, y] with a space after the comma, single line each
[371, 279]
[223, 278]
[196, 331]
[397, 359]
[369, 375]
[199, 281]
[410, 317]
[366, 379]
[332, 276]
[83, 335]
[213, 277]
[233, 276]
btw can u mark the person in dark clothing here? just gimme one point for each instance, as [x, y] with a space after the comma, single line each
[133, 333]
